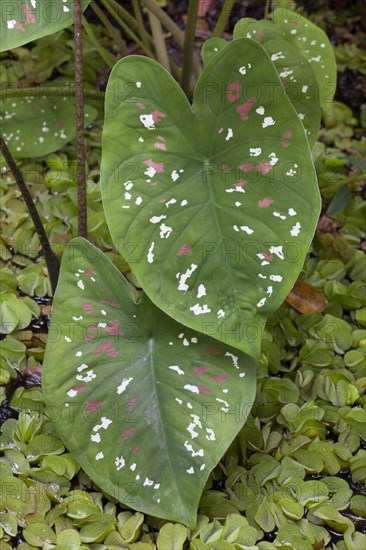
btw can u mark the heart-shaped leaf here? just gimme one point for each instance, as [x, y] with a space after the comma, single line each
[37, 126]
[314, 45]
[220, 200]
[22, 22]
[296, 74]
[146, 406]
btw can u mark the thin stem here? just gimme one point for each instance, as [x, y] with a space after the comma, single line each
[49, 91]
[267, 9]
[189, 40]
[159, 41]
[140, 22]
[104, 54]
[52, 260]
[176, 32]
[115, 10]
[224, 17]
[79, 115]
[108, 25]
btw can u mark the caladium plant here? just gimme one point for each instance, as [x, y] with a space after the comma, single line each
[147, 406]
[220, 201]
[221, 198]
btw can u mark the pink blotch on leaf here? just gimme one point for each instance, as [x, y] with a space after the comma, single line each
[296, 23]
[156, 115]
[260, 36]
[79, 388]
[224, 167]
[211, 351]
[244, 109]
[106, 348]
[267, 256]
[114, 329]
[140, 105]
[185, 249]
[88, 308]
[161, 138]
[110, 302]
[285, 144]
[265, 203]
[287, 134]
[240, 183]
[30, 17]
[158, 166]
[90, 272]
[199, 370]
[220, 378]
[233, 91]
[264, 167]
[204, 389]
[93, 405]
[160, 146]
[136, 450]
[126, 434]
[60, 124]
[162, 200]
[132, 402]
[19, 26]
[246, 167]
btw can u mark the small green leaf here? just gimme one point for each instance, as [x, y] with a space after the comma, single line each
[36, 126]
[171, 537]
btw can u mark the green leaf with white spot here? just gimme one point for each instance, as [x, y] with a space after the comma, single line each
[311, 42]
[154, 399]
[36, 126]
[219, 200]
[22, 22]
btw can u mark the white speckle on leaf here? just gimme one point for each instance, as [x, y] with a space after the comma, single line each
[269, 290]
[121, 388]
[246, 229]
[190, 470]
[95, 438]
[255, 151]
[193, 389]
[278, 250]
[174, 175]
[99, 456]
[201, 291]
[221, 313]
[200, 310]
[261, 302]
[183, 278]
[278, 215]
[176, 369]
[260, 110]
[138, 84]
[233, 357]
[157, 219]
[165, 231]
[276, 278]
[119, 462]
[295, 231]
[150, 254]
[133, 466]
[268, 121]
[276, 56]
[80, 284]
[148, 121]
[148, 482]
[292, 212]
[230, 134]
[211, 434]
[68, 339]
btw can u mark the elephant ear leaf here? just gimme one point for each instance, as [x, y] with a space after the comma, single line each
[22, 22]
[221, 197]
[211, 47]
[145, 406]
[296, 73]
[313, 43]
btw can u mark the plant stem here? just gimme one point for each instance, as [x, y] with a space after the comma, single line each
[108, 25]
[49, 91]
[189, 40]
[79, 115]
[104, 54]
[115, 10]
[223, 19]
[176, 32]
[51, 258]
[140, 22]
[159, 41]
[267, 8]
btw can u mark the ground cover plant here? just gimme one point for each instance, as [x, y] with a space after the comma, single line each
[300, 501]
